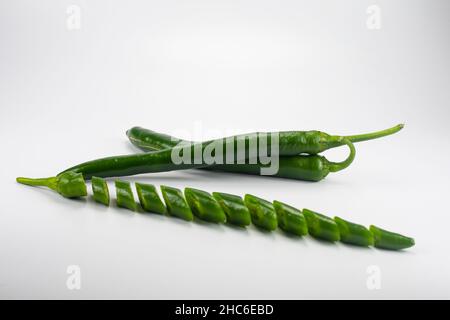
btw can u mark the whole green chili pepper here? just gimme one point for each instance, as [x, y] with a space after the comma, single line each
[204, 206]
[389, 240]
[100, 190]
[290, 219]
[291, 142]
[262, 212]
[321, 226]
[234, 208]
[124, 195]
[176, 204]
[149, 199]
[353, 233]
[68, 184]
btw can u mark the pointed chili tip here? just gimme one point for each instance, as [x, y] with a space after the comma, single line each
[21, 180]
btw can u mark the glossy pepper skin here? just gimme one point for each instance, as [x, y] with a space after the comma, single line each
[160, 161]
[69, 184]
[389, 240]
[234, 208]
[100, 190]
[301, 167]
[290, 219]
[291, 142]
[204, 206]
[262, 212]
[149, 198]
[176, 204]
[124, 195]
[353, 233]
[320, 226]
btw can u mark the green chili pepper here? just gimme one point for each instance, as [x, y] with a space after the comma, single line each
[234, 208]
[100, 190]
[262, 212]
[221, 206]
[68, 184]
[204, 206]
[321, 226]
[149, 199]
[290, 219]
[124, 194]
[291, 143]
[176, 204]
[389, 240]
[301, 167]
[353, 233]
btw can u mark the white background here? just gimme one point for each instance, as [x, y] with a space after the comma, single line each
[215, 68]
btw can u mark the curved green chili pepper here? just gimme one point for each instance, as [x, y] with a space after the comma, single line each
[68, 184]
[160, 161]
[204, 206]
[234, 208]
[353, 233]
[124, 195]
[149, 198]
[100, 190]
[389, 240]
[262, 212]
[290, 219]
[321, 226]
[176, 204]
[301, 167]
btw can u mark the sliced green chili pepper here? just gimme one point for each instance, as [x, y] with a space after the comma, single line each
[149, 198]
[262, 212]
[68, 184]
[389, 240]
[353, 233]
[222, 206]
[290, 219]
[124, 195]
[204, 206]
[234, 208]
[100, 190]
[321, 226]
[176, 204]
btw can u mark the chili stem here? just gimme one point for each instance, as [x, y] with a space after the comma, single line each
[40, 182]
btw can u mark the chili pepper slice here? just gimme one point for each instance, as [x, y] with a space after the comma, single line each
[149, 198]
[176, 204]
[353, 233]
[262, 212]
[100, 190]
[290, 219]
[124, 195]
[234, 208]
[204, 206]
[321, 226]
[389, 240]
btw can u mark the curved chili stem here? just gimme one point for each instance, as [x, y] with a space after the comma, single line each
[338, 166]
